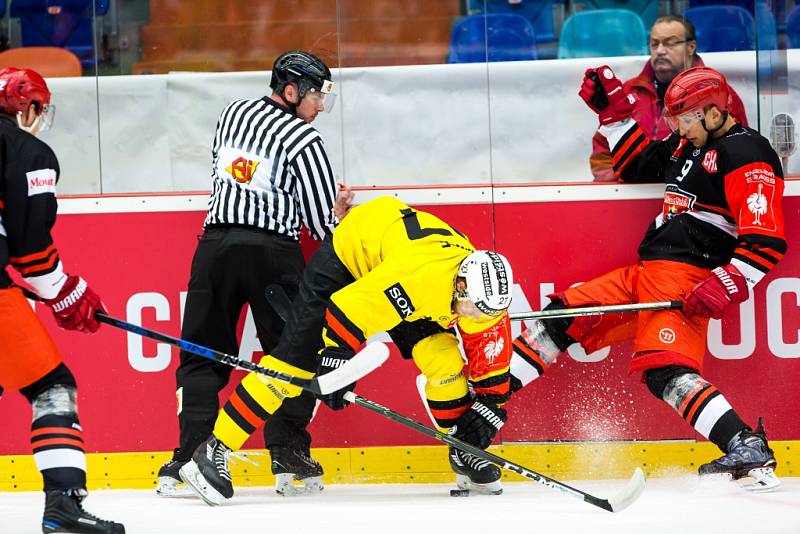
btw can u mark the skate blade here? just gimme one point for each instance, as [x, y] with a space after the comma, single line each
[760, 480]
[171, 488]
[492, 488]
[286, 487]
[199, 485]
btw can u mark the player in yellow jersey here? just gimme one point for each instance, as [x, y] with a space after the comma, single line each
[390, 268]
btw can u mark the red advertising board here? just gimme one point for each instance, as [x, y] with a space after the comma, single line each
[139, 263]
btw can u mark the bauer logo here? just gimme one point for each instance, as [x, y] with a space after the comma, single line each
[399, 299]
[41, 181]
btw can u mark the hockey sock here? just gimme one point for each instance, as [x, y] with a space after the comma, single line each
[255, 399]
[534, 352]
[704, 407]
[57, 439]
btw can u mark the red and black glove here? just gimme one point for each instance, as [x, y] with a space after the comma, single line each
[726, 285]
[604, 93]
[75, 305]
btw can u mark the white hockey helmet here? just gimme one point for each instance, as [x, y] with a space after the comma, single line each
[489, 281]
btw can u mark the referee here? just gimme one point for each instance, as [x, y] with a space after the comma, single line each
[270, 175]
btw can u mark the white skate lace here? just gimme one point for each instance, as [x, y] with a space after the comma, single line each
[474, 462]
[243, 456]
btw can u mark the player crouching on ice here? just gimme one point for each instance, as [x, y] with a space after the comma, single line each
[719, 232]
[389, 268]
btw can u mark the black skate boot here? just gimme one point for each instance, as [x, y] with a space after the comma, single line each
[290, 465]
[473, 473]
[63, 512]
[169, 480]
[207, 474]
[748, 460]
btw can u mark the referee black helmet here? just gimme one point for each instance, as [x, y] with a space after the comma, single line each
[301, 68]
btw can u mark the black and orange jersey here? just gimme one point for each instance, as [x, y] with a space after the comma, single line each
[722, 202]
[28, 209]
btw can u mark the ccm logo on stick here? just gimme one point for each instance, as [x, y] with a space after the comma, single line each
[399, 299]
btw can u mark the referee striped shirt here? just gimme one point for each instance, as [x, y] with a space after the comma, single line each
[270, 171]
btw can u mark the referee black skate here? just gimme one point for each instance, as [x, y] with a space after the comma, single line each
[270, 176]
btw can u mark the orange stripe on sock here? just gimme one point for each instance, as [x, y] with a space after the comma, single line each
[72, 442]
[703, 396]
[530, 353]
[244, 411]
[453, 413]
[56, 430]
[689, 397]
[341, 331]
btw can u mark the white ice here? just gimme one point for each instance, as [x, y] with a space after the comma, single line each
[668, 506]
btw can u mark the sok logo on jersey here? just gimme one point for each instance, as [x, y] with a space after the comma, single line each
[399, 299]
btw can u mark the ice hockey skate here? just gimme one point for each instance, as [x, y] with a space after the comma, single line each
[207, 474]
[474, 473]
[170, 483]
[63, 512]
[749, 461]
[296, 472]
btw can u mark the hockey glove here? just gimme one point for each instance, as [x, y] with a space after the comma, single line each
[605, 95]
[75, 305]
[333, 358]
[724, 286]
[479, 424]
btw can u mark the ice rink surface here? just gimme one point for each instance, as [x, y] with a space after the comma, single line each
[668, 506]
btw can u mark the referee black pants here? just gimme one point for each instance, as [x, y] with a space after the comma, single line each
[232, 267]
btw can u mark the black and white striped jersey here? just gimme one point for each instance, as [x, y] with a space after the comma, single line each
[270, 171]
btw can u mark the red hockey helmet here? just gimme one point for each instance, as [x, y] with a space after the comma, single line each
[692, 91]
[20, 88]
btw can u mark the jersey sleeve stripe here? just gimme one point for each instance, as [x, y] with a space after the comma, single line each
[29, 258]
[632, 143]
[748, 257]
[37, 268]
[343, 327]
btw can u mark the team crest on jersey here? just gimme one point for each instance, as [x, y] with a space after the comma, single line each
[242, 169]
[758, 201]
[493, 349]
[710, 161]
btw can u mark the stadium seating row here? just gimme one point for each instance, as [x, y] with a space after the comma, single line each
[493, 30]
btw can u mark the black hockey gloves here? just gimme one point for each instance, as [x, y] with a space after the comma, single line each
[479, 424]
[332, 358]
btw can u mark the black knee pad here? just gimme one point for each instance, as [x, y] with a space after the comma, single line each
[557, 328]
[407, 334]
[60, 376]
[657, 379]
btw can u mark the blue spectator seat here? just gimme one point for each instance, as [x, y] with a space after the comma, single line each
[603, 33]
[767, 35]
[510, 37]
[646, 9]
[2, 8]
[722, 28]
[746, 4]
[61, 23]
[793, 27]
[538, 12]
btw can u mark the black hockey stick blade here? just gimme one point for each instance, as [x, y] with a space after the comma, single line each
[617, 503]
[364, 362]
[597, 310]
[277, 298]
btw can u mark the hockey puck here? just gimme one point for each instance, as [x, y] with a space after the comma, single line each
[459, 493]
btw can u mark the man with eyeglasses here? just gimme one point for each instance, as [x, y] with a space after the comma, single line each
[673, 49]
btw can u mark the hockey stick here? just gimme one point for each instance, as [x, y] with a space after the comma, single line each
[617, 503]
[364, 362]
[597, 310]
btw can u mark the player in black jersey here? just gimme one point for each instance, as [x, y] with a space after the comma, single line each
[29, 360]
[270, 175]
[719, 232]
